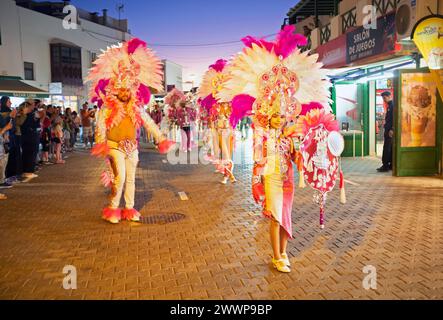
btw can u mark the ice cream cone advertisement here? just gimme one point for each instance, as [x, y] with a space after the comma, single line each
[418, 110]
[428, 37]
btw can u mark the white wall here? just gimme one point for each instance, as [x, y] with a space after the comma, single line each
[173, 74]
[37, 32]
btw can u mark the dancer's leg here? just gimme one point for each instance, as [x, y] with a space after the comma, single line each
[119, 168]
[283, 240]
[131, 168]
[275, 239]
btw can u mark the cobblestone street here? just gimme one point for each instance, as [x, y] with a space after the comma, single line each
[220, 249]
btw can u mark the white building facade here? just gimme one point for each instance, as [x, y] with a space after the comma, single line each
[38, 49]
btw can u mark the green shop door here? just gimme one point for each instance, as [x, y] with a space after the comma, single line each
[418, 124]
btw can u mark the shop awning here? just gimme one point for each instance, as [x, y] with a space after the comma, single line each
[15, 87]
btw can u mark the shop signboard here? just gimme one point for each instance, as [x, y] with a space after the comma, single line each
[333, 53]
[428, 36]
[365, 43]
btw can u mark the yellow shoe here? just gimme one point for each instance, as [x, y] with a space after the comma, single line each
[280, 265]
[284, 257]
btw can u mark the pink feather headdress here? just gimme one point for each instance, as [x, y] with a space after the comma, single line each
[212, 83]
[130, 65]
[271, 75]
[174, 97]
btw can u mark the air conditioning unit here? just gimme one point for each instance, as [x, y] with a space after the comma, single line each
[405, 18]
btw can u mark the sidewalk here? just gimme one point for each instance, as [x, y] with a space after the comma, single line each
[215, 246]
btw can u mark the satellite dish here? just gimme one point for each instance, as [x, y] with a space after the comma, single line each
[403, 19]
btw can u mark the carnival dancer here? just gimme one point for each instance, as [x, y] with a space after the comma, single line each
[173, 99]
[186, 117]
[120, 81]
[273, 80]
[219, 111]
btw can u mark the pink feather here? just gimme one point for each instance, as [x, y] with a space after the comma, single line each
[143, 94]
[241, 106]
[219, 65]
[133, 44]
[208, 102]
[249, 41]
[306, 108]
[101, 86]
[287, 41]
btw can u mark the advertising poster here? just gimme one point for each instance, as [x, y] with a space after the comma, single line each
[418, 110]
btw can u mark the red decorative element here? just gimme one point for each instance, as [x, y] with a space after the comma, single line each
[317, 117]
[100, 150]
[165, 146]
[112, 214]
[320, 166]
[265, 77]
[258, 192]
[275, 69]
[130, 214]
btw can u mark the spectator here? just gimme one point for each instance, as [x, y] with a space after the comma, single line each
[86, 118]
[389, 133]
[45, 139]
[5, 126]
[57, 134]
[29, 132]
[68, 129]
[77, 123]
[14, 166]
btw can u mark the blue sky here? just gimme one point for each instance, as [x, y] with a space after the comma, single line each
[161, 22]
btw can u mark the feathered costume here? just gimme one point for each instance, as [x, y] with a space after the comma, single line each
[121, 79]
[219, 111]
[270, 79]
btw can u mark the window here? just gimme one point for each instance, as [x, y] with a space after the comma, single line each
[29, 71]
[66, 64]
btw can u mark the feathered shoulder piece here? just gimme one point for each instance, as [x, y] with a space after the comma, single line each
[269, 77]
[174, 97]
[212, 83]
[131, 65]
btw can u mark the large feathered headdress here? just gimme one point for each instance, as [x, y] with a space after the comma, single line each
[174, 97]
[269, 75]
[131, 65]
[212, 83]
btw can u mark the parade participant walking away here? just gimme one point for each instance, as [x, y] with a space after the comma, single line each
[219, 110]
[186, 115]
[244, 128]
[389, 133]
[86, 116]
[173, 99]
[273, 80]
[120, 81]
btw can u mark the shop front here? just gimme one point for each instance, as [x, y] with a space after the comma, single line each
[366, 63]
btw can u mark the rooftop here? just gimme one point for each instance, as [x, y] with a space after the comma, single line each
[55, 9]
[307, 8]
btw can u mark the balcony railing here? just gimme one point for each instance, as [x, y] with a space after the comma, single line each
[325, 33]
[385, 6]
[349, 20]
[308, 46]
